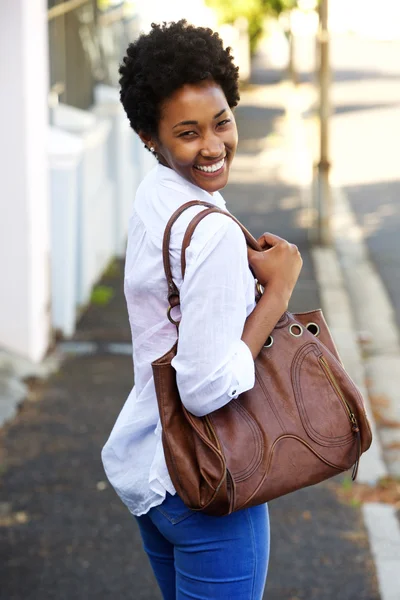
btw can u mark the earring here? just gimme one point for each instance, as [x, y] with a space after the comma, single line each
[152, 149]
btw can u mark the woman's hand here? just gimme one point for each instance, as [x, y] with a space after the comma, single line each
[278, 266]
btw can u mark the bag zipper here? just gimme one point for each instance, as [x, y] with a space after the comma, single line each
[335, 384]
[354, 424]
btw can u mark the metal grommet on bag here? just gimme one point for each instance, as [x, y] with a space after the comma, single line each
[170, 318]
[296, 330]
[269, 342]
[313, 328]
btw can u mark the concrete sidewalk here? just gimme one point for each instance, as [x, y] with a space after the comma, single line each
[64, 532]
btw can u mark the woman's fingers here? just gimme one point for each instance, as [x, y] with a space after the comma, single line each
[268, 240]
[251, 253]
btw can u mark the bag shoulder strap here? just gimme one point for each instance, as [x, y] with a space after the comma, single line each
[173, 292]
[250, 240]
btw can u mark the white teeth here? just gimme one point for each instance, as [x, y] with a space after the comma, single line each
[212, 168]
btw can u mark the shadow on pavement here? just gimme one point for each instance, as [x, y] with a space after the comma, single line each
[254, 124]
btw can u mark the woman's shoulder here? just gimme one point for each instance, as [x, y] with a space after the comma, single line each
[217, 234]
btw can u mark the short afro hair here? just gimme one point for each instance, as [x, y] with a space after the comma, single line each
[162, 61]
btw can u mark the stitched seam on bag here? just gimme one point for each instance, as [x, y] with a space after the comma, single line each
[300, 357]
[215, 489]
[269, 399]
[210, 445]
[360, 403]
[258, 441]
[295, 437]
[315, 435]
[251, 426]
[165, 437]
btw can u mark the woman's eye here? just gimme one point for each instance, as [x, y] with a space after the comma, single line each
[187, 134]
[224, 122]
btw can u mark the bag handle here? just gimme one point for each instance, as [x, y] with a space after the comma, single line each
[173, 292]
[250, 240]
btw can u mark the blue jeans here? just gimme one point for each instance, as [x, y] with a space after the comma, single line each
[199, 557]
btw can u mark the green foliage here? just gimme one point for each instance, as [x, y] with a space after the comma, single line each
[278, 6]
[101, 295]
[347, 484]
[255, 12]
[355, 502]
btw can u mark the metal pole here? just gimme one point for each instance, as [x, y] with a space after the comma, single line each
[324, 208]
[291, 66]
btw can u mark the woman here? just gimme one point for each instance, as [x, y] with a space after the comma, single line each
[179, 87]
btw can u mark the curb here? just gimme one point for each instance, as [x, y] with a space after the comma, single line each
[369, 305]
[384, 538]
[375, 321]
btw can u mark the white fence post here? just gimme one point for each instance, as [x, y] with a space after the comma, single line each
[24, 198]
[124, 164]
[65, 162]
[96, 200]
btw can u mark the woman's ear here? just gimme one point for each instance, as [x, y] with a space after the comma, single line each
[146, 139]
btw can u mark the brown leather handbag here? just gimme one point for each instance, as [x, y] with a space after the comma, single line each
[303, 422]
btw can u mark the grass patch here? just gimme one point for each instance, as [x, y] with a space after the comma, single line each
[387, 491]
[101, 295]
[347, 484]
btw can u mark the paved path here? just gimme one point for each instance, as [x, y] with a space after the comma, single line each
[365, 145]
[65, 535]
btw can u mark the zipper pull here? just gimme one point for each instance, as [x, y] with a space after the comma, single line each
[354, 424]
[356, 430]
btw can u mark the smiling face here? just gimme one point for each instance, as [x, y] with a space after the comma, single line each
[197, 135]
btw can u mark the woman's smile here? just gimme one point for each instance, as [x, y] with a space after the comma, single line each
[214, 169]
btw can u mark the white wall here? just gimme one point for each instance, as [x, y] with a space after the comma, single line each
[24, 209]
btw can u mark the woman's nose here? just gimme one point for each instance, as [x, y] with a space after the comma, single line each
[213, 147]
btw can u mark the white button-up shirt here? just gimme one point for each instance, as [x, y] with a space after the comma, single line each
[213, 365]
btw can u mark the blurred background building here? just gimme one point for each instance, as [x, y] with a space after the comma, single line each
[69, 162]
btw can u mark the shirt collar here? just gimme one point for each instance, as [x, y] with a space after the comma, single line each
[167, 175]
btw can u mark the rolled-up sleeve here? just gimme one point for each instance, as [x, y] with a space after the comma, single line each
[213, 365]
